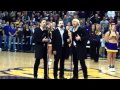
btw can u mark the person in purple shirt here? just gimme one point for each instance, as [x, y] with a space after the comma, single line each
[12, 37]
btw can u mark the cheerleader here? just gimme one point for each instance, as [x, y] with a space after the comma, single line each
[111, 38]
[68, 28]
[50, 30]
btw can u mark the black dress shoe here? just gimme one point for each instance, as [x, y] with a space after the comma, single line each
[47, 78]
[55, 78]
[86, 77]
[74, 78]
[96, 61]
[35, 77]
[63, 78]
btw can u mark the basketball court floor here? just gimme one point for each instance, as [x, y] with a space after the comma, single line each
[19, 65]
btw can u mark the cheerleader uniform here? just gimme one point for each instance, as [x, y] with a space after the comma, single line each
[50, 37]
[112, 47]
[50, 45]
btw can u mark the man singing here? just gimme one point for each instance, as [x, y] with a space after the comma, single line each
[60, 44]
[79, 40]
[41, 39]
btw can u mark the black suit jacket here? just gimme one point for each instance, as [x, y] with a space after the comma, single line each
[57, 42]
[40, 47]
[80, 45]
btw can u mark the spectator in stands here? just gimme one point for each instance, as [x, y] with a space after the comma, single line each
[37, 17]
[12, 37]
[82, 15]
[1, 38]
[75, 16]
[111, 20]
[54, 25]
[102, 47]
[51, 19]
[118, 26]
[56, 17]
[95, 42]
[118, 30]
[6, 28]
[82, 23]
[101, 14]
[19, 14]
[66, 19]
[6, 16]
[32, 18]
[111, 14]
[27, 35]
[25, 17]
[32, 29]
[20, 38]
[104, 25]
[96, 19]
[88, 25]
[71, 13]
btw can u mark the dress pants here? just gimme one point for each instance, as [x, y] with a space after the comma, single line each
[59, 57]
[37, 62]
[94, 50]
[75, 62]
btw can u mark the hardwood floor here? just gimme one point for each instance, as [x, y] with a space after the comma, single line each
[19, 64]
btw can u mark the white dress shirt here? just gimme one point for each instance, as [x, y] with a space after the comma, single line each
[61, 33]
[74, 43]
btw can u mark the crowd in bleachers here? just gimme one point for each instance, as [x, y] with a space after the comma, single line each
[17, 27]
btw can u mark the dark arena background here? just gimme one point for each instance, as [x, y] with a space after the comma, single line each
[17, 48]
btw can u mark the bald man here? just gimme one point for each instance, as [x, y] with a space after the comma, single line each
[79, 41]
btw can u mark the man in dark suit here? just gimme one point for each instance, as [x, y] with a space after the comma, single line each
[79, 41]
[60, 43]
[41, 38]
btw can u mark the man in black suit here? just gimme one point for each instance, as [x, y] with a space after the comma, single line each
[79, 41]
[60, 43]
[41, 38]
